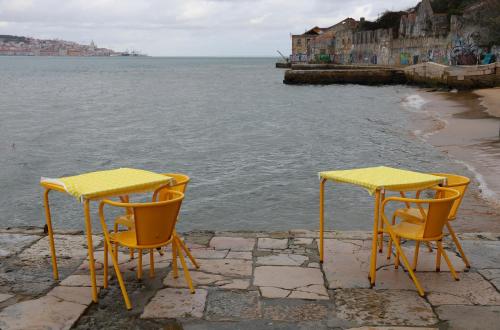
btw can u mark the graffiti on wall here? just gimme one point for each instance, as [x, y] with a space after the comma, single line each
[404, 58]
[464, 50]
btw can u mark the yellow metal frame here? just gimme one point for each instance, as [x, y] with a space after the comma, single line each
[48, 187]
[438, 239]
[376, 216]
[174, 240]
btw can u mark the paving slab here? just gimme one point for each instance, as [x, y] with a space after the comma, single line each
[232, 243]
[209, 253]
[294, 310]
[272, 243]
[79, 295]
[282, 260]
[299, 282]
[48, 312]
[347, 263]
[427, 259]
[227, 267]
[387, 307]
[482, 253]
[67, 247]
[232, 305]
[81, 280]
[393, 328]
[204, 279]
[302, 241]
[470, 317]
[176, 303]
[441, 288]
[239, 255]
[492, 275]
[255, 324]
[13, 243]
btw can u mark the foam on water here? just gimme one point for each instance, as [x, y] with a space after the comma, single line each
[414, 102]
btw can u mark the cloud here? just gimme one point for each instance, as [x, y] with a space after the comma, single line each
[183, 27]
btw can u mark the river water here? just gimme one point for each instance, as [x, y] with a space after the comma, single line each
[252, 145]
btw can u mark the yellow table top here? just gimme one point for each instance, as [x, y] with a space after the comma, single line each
[382, 177]
[100, 184]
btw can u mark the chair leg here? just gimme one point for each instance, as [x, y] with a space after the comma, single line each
[131, 253]
[119, 275]
[407, 265]
[187, 276]
[175, 271]
[397, 242]
[188, 253]
[457, 244]
[139, 264]
[438, 260]
[105, 280]
[415, 256]
[445, 256]
[389, 244]
[151, 263]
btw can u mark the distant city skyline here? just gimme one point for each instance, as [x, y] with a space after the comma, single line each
[183, 28]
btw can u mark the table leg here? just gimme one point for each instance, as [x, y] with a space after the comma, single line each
[373, 259]
[381, 239]
[48, 219]
[90, 247]
[321, 219]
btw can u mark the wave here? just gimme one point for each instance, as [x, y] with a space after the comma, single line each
[414, 102]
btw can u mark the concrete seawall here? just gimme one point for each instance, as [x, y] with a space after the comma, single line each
[460, 77]
[371, 76]
[425, 74]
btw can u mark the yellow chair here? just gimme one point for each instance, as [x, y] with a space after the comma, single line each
[154, 226]
[417, 215]
[430, 230]
[127, 220]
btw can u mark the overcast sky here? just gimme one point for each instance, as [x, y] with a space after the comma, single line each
[183, 27]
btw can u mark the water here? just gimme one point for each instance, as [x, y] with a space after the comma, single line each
[252, 145]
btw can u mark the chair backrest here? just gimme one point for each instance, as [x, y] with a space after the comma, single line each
[155, 222]
[438, 211]
[458, 183]
[181, 182]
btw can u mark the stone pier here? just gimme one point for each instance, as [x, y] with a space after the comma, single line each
[249, 280]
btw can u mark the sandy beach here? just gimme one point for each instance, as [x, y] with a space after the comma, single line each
[465, 127]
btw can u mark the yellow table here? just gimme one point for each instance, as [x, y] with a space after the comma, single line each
[376, 180]
[94, 186]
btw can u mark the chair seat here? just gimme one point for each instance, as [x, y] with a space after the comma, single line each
[412, 215]
[126, 238]
[409, 230]
[126, 220]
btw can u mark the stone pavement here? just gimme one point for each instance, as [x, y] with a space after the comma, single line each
[249, 280]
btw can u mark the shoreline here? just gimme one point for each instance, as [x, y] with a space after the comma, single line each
[465, 127]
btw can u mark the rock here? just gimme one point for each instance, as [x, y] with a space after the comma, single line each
[239, 255]
[366, 306]
[47, 312]
[282, 260]
[272, 243]
[176, 303]
[304, 233]
[232, 243]
[79, 295]
[231, 305]
[469, 317]
[5, 296]
[13, 243]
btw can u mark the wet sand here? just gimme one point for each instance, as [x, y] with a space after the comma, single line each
[463, 126]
